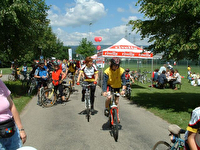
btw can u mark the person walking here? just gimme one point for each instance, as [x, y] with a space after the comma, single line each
[12, 133]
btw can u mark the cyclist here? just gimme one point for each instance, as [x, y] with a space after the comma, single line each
[24, 70]
[128, 76]
[114, 77]
[193, 131]
[58, 76]
[41, 75]
[71, 68]
[91, 75]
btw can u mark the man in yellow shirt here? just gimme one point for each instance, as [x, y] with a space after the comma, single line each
[114, 78]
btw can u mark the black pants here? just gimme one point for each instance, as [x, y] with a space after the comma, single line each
[59, 87]
[92, 91]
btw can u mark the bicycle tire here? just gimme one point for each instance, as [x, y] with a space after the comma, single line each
[11, 77]
[48, 97]
[115, 126]
[31, 88]
[162, 145]
[87, 110]
[66, 92]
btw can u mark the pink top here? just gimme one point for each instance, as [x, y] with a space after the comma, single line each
[5, 112]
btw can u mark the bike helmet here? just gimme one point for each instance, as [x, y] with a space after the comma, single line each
[56, 63]
[127, 70]
[115, 61]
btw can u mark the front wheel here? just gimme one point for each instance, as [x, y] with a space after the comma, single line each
[48, 97]
[161, 145]
[115, 126]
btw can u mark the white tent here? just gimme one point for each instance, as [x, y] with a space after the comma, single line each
[125, 49]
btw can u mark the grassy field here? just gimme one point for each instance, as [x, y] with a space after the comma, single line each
[173, 106]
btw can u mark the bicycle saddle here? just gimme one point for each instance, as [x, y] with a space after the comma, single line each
[175, 129]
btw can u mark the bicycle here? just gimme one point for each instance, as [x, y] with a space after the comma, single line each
[177, 142]
[33, 84]
[87, 99]
[128, 90]
[49, 96]
[114, 115]
[70, 76]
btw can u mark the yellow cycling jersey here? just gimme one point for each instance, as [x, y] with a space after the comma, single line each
[72, 67]
[114, 77]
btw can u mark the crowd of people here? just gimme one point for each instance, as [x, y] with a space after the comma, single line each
[166, 75]
[114, 78]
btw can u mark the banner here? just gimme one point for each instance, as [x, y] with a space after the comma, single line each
[70, 53]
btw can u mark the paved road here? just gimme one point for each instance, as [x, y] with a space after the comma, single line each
[4, 77]
[63, 127]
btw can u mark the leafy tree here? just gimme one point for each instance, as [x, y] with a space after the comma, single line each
[86, 48]
[22, 22]
[173, 27]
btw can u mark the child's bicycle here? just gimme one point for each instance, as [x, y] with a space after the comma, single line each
[176, 142]
[49, 96]
[114, 115]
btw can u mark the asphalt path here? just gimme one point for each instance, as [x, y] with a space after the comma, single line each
[65, 127]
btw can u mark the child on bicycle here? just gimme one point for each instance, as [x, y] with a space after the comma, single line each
[128, 77]
[58, 76]
[193, 131]
[114, 76]
[90, 72]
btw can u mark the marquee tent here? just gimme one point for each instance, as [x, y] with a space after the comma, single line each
[125, 49]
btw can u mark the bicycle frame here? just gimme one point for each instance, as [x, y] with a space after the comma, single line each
[178, 142]
[113, 106]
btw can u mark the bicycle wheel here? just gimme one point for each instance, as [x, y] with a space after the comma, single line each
[115, 126]
[87, 110]
[66, 92]
[11, 77]
[48, 97]
[162, 145]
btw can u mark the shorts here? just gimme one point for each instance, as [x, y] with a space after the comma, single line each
[109, 88]
[42, 83]
[12, 143]
[72, 73]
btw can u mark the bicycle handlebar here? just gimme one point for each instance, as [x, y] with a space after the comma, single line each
[86, 85]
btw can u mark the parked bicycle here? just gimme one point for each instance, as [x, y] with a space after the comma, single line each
[87, 99]
[114, 115]
[49, 96]
[32, 87]
[176, 142]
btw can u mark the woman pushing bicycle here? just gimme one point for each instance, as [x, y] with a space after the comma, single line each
[90, 72]
[114, 77]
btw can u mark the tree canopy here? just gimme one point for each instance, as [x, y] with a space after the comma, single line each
[25, 31]
[172, 26]
[86, 48]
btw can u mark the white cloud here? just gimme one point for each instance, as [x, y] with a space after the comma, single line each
[133, 9]
[84, 12]
[120, 9]
[109, 36]
[126, 20]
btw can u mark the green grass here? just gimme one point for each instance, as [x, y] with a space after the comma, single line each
[18, 93]
[174, 106]
[6, 70]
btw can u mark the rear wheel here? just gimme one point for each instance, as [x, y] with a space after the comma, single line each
[48, 97]
[115, 126]
[161, 145]
[66, 92]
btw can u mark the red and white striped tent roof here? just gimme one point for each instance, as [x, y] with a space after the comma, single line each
[125, 49]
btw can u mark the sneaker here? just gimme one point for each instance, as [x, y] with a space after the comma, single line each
[106, 112]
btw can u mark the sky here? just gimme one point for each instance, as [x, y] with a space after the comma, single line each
[72, 20]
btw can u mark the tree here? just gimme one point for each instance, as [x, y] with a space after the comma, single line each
[86, 48]
[22, 23]
[173, 27]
